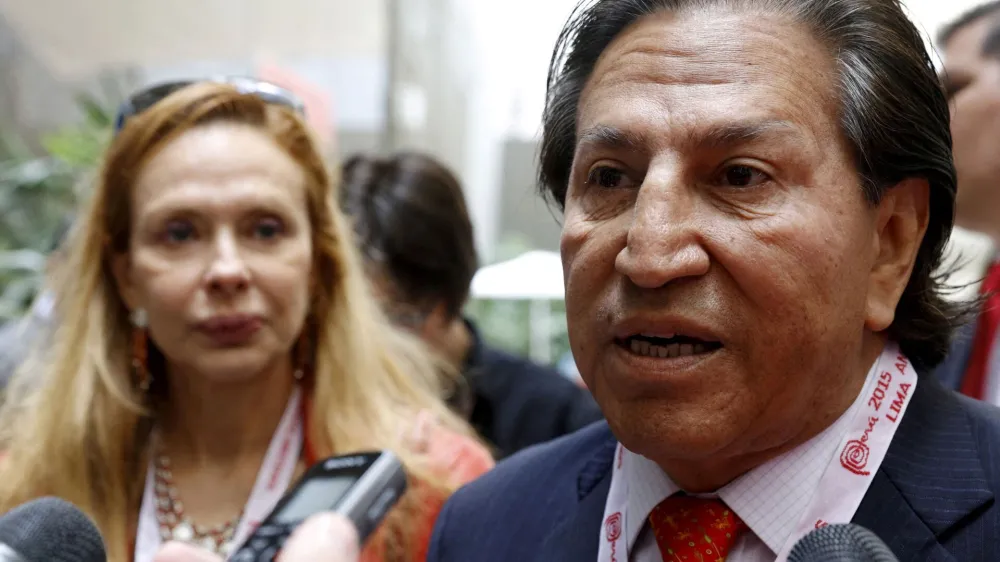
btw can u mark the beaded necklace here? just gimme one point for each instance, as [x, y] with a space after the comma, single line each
[175, 525]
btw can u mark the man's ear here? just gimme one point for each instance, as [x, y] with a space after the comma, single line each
[121, 268]
[900, 223]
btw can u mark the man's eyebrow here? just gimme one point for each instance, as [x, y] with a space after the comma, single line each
[742, 132]
[604, 136]
[715, 136]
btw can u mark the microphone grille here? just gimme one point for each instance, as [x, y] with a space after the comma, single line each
[51, 529]
[841, 543]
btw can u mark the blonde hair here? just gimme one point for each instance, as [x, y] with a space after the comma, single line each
[76, 425]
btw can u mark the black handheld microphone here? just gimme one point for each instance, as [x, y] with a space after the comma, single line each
[841, 543]
[362, 487]
[49, 529]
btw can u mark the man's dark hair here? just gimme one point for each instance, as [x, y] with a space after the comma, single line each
[413, 226]
[991, 43]
[893, 113]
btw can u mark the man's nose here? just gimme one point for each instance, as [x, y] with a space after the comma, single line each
[228, 272]
[664, 238]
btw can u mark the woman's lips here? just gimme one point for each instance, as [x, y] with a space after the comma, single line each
[230, 330]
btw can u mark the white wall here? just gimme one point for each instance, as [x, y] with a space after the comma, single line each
[469, 84]
[337, 45]
[931, 15]
[76, 38]
[511, 42]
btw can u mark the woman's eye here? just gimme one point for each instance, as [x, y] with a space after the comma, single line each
[607, 177]
[267, 229]
[178, 232]
[743, 176]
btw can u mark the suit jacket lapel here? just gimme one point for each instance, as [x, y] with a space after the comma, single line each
[886, 513]
[932, 477]
[576, 538]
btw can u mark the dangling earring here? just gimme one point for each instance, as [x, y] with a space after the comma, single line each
[140, 347]
[302, 359]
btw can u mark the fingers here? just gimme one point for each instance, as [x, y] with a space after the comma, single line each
[327, 537]
[180, 552]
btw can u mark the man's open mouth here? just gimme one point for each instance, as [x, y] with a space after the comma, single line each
[667, 347]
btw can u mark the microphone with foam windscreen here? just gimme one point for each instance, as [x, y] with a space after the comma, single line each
[49, 530]
[841, 543]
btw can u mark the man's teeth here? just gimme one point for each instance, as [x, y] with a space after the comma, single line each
[640, 347]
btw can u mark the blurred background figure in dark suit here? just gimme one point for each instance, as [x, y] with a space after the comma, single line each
[413, 227]
[971, 51]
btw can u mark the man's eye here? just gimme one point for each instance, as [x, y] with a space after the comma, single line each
[608, 177]
[743, 176]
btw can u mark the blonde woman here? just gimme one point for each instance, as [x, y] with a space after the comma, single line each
[217, 337]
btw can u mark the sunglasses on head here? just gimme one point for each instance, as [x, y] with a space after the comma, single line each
[151, 95]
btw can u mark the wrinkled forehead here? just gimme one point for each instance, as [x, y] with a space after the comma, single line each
[679, 72]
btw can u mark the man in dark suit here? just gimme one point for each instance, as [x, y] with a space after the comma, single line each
[971, 49]
[413, 227]
[756, 196]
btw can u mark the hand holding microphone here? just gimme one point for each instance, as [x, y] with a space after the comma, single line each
[326, 537]
[333, 508]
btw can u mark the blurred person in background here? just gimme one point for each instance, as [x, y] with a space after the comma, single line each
[414, 231]
[217, 337]
[971, 49]
[19, 337]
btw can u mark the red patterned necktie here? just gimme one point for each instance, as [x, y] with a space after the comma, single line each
[974, 381]
[695, 529]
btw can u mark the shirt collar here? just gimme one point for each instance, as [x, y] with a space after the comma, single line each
[770, 499]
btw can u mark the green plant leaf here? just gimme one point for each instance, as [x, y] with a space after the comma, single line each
[95, 113]
[38, 192]
[22, 260]
[76, 147]
[17, 296]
